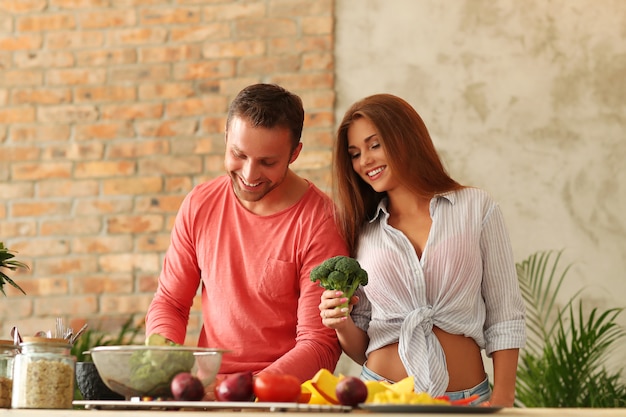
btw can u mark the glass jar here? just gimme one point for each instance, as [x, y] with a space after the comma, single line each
[43, 375]
[7, 355]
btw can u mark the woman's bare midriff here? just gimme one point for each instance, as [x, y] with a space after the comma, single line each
[463, 359]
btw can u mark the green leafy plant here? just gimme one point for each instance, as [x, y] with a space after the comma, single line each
[94, 337]
[564, 361]
[7, 261]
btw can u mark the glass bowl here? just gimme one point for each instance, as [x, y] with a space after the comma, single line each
[147, 371]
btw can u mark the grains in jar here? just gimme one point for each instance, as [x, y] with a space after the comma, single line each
[43, 374]
[7, 355]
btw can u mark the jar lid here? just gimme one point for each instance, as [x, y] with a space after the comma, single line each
[49, 340]
[5, 342]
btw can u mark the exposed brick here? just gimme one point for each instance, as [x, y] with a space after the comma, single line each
[41, 96]
[196, 33]
[175, 53]
[20, 114]
[45, 286]
[14, 190]
[75, 76]
[74, 39]
[20, 228]
[280, 46]
[75, 305]
[318, 119]
[132, 111]
[318, 61]
[19, 153]
[52, 21]
[305, 81]
[197, 106]
[22, 77]
[106, 57]
[215, 124]
[165, 90]
[75, 226]
[127, 262]
[67, 188]
[129, 304]
[41, 247]
[134, 148]
[139, 73]
[104, 130]
[40, 132]
[15, 306]
[265, 28]
[101, 169]
[155, 242]
[318, 138]
[317, 25]
[209, 69]
[169, 16]
[67, 114]
[233, 11]
[318, 99]
[66, 265]
[136, 36]
[103, 19]
[132, 186]
[104, 205]
[166, 128]
[40, 208]
[103, 284]
[73, 151]
[105, 93]
[102, 244]
[22, 6]
[268, 65]
[233, 49]
[177, 184]
[79, 4]
[147, 283]
[117, 118]
[43, 59]
[170, 165]
[20, 42]
[214, 164]
[159, 204]
[40, 170]
[293, 8]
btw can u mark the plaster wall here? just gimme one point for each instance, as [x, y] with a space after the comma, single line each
[526, 99]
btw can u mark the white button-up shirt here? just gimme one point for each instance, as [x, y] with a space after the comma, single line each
[465, 283]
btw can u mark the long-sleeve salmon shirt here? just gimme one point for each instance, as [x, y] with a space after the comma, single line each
[257, 298]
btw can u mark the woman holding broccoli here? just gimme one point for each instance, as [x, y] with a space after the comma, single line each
[442, 281]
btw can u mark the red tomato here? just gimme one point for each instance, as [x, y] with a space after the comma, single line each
[277, 388]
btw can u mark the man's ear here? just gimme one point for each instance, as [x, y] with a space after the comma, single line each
[295, 153]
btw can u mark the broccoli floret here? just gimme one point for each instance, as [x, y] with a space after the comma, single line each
[340, 273]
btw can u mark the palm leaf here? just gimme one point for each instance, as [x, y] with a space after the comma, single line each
[564, 363]
[7, 261]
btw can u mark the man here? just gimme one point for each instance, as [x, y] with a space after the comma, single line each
[250, 239]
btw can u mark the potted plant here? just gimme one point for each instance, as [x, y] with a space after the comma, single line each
[564, 361]
[7, 261]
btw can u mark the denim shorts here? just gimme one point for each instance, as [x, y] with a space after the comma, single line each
[483, 390]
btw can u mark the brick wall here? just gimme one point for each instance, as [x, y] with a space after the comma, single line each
[110, 111]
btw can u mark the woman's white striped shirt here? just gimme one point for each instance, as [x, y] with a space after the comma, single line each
[464, 283]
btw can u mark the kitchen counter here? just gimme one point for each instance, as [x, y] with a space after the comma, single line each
[507, 412]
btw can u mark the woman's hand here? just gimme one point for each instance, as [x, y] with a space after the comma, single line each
[332, 316]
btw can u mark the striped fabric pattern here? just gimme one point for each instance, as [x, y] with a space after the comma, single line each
[464, 283]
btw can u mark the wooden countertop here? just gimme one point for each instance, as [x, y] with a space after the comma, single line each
[507, 412]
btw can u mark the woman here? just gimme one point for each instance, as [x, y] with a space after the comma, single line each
[442, 279]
